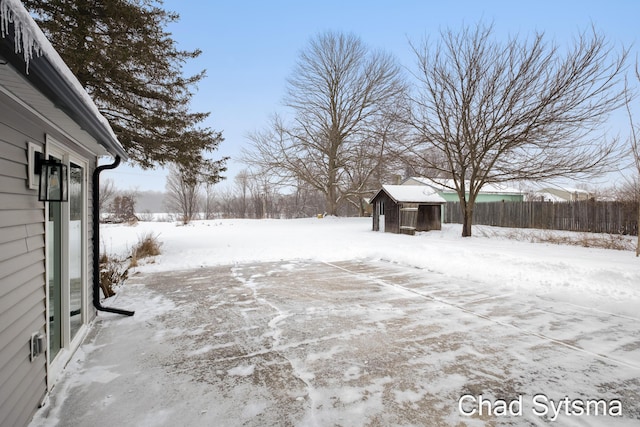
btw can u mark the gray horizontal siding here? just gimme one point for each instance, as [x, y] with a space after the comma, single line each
[12, 217]
[22, 262]
[26, 269]
[22, 202]
[12, 169]
[8, 184]
[15, 351]
[22, 268]
[19, 371]
[22, 257]
[11, 152]
[18, 232]
[25, 385]
[14, 140]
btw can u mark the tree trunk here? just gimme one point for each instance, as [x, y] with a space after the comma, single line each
[638, 231]
[332, 203]
[332, 206]
[467, 219]
[467, 212]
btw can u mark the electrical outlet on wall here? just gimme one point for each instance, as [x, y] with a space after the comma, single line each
[36, 345]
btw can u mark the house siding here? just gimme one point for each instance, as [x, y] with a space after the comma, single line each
[23, 383]
[22, 270]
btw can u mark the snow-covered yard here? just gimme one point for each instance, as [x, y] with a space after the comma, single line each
[566, 272]
[324, 322]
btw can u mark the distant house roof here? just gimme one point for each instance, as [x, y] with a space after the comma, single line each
[447, 185]
[547, 197]
[25, 47]
[563, 194]
[411, 194]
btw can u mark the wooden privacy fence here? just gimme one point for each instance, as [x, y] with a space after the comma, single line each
[586, 215]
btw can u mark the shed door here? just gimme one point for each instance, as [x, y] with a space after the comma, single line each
[381, 215]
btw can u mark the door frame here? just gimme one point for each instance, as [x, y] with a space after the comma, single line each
[381, 216]
[68, 344]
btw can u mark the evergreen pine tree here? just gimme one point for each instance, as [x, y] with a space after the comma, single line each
[125, 59]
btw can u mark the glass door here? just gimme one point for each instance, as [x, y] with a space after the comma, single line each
[66, 258]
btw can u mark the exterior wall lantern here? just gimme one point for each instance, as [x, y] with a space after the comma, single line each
[54, 182]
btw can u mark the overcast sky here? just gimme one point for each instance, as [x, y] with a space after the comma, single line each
[249, 47]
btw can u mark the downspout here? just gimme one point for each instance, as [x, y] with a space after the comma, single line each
[96, 241]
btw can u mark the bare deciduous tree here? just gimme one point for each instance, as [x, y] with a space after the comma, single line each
[339, 93]
[628, 190]
[182, 193]
[242, 181]
[372, 161]
[263, 196]
[209, 201]
[514, 110]
[226, 203]
[635, 147]
[123, 208]
[107, 191]
[634, 140]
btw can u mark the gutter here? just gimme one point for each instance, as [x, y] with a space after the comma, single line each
[96, 241]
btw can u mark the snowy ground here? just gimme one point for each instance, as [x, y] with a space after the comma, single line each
[572, 273]
[324, 322]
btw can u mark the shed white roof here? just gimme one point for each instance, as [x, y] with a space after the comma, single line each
[412, 194]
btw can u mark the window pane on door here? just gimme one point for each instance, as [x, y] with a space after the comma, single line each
[54, 269]
[76, 247]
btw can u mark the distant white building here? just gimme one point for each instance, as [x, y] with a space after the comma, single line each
[488, 193]
[559, 194]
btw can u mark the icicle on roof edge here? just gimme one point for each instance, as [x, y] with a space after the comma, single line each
[26, 35]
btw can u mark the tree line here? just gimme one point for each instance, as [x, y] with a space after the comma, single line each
[248, 197]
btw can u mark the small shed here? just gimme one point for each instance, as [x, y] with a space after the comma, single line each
[406, 209]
